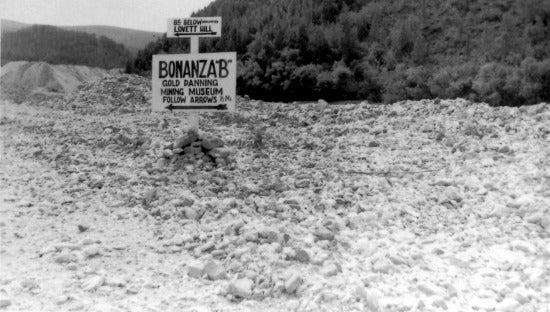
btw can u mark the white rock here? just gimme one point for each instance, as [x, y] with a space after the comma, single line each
[93, 282]
[214, 270]
[522, 295]
[104, 307]
[115, 281]
[439, 302]
[87, 241]
[525, 246]
[483, 303]
[499, 211]
[65, 258]
[61, 299]
[444, 182]
[430, 289]
[330, 269]
[373, 300]
[289, 252]
[382, 265]
[4, 303]
[91, 251]
[536, 275]
[408, 302]
[366, 247]
[241, 288]
[69, 246]
[292, 283]
[322, 233]
[403, 236]
[508, 305]
[397, 259]
[195, 269]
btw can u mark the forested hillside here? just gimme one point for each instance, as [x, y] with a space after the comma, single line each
[57, 46]
[485, 50]
[132, 39]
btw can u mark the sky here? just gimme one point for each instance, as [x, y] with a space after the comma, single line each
[137, 14]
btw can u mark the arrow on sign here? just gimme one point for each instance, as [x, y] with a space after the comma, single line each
[191, 34]
[216, 107]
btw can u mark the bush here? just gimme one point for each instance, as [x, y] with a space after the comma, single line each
[506, 85]
[304, 81]
[249, 76]
[451, 82]
[407, 84]
[368, 82]
[489, 82]
[417, 83]
[535, 80]
[394, 85]
[499, 84]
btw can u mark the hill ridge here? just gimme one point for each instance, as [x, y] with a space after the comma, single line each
[132, 39]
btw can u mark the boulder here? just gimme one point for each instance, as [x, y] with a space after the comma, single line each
[321, 105]
[241, 288]
[215, 271]
[150, 196]
[292, 283]
[210, 143]
[185, 140]
[322, 233]
[195, 269]
[220, 152]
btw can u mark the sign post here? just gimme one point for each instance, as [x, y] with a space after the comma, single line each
[194, 82]
[194, 49]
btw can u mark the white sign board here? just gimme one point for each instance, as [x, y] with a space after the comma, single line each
[195, 82]
[194, 27]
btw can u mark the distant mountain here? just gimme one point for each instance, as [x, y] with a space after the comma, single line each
[59, 46]
[9, 25]
[132, 39]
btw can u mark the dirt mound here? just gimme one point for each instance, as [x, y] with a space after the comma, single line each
[122, 93]
[23, 80]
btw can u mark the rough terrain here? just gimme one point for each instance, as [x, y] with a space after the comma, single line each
[416, 206]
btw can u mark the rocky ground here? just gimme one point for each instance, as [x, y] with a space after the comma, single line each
[416, 206]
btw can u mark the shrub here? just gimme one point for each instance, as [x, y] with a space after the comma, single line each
[451, 82]
[368, 85]
[490, 81]
[402, 84]
[304, 80]
[506, 85]
[394, 87]
[394, 83]
[417, 83]
[249, 76]
[535, 80]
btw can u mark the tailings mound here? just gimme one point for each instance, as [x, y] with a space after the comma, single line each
[23, 80]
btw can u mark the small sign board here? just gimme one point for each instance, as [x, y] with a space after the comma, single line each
[194, 82]
[194, 27]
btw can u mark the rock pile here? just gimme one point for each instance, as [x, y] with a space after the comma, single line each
[196, 151]
[119, 93]
[37, 81]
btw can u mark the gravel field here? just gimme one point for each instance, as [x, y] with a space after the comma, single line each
[416, 206]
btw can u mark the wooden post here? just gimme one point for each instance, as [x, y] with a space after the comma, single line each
[194, 117]
[194, 45]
